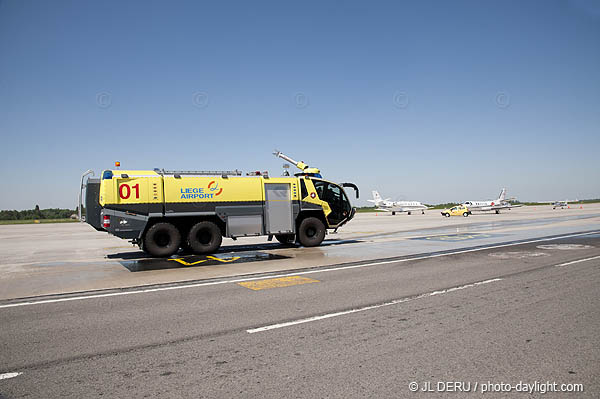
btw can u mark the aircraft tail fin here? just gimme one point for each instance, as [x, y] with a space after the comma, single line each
[376, 197]
[502, 196]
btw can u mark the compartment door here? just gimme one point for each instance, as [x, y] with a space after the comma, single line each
[92, 207]
[278, 208]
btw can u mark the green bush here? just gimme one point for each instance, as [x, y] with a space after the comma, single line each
[37, 213]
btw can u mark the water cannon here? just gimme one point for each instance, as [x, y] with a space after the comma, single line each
[306, 170]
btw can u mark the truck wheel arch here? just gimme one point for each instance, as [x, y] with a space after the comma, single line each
[308, 214]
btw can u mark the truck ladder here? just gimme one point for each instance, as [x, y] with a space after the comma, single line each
[177, 173]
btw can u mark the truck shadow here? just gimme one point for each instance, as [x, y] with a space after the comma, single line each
[137, 254]
[177, 262]
[138, 261]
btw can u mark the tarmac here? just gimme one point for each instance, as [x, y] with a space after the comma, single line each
[48, 259]
[391, 306]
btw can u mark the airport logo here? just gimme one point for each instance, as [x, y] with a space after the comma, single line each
[200, 193]
[211, 188]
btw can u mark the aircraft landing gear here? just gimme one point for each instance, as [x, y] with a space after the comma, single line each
[408, 213]
[393, 213]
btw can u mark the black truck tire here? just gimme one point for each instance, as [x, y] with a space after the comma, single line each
[204, 238]
[162, 239]
[311, 232]
[285, 238]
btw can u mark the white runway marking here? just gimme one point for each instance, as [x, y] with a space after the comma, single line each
[578, 261]
[387, 262]
[381, 305]
[565, 247]
[6, 376]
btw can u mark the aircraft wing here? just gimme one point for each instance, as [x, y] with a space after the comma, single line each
[394, 209]
[505, 205]
[487, 208]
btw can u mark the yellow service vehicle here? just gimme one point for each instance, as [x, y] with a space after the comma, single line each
[456, 211]
[162, 211]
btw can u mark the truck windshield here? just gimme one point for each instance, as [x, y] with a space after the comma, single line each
[335, 196]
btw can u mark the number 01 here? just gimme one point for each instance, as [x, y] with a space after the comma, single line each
[125, 191]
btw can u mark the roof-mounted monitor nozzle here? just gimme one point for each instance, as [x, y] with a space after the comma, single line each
[306, 170]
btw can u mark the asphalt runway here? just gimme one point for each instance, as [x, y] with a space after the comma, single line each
[455, 306]
[518, 313]
[50, 259]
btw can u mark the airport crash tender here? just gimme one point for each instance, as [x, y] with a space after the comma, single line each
[162, 211]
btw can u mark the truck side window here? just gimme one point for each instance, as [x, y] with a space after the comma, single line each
[303, 190]
[320, 187]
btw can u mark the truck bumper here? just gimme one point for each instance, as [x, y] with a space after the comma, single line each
[125, 225]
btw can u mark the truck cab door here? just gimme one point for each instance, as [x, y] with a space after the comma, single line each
[336, 199]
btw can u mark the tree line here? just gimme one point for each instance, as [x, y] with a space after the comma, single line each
[37, 213]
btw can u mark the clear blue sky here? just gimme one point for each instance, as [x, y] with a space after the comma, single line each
[430, 101]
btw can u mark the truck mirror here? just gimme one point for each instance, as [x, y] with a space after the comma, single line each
[351, 185]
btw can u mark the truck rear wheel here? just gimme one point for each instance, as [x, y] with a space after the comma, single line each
[204, 237]
[285, 238]
[162, 239]
[311, 232]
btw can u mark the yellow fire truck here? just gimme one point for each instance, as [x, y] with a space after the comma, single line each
[163, 211]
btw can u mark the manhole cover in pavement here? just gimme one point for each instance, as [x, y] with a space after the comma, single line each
[517, 255]
[565, 246]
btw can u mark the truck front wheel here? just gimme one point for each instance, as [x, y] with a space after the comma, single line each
[162, 239]
[311, 232]
[204, 238]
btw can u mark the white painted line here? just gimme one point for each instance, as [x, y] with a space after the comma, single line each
[578, 261]
[381, 305]
[6, 376]
[177, 287]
